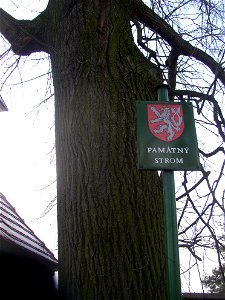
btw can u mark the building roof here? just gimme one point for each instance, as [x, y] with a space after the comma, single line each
[16, 236]
[3, 107]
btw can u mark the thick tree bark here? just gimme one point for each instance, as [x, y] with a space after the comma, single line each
[110, 214]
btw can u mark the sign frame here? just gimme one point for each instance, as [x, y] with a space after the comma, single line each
[157, 153]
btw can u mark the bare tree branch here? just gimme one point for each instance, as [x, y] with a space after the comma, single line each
[149, 18]
[25, 36]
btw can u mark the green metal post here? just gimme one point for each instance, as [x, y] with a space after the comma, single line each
[172, 249]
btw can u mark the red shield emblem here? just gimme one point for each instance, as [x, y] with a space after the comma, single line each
[165, 121]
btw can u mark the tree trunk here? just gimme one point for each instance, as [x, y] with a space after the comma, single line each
[110, 214]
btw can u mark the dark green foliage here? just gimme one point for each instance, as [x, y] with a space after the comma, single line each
[215, 282]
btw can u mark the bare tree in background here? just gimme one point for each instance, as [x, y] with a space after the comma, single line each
[106, 55]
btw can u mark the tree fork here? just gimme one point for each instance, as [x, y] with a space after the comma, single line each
[25, 36]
